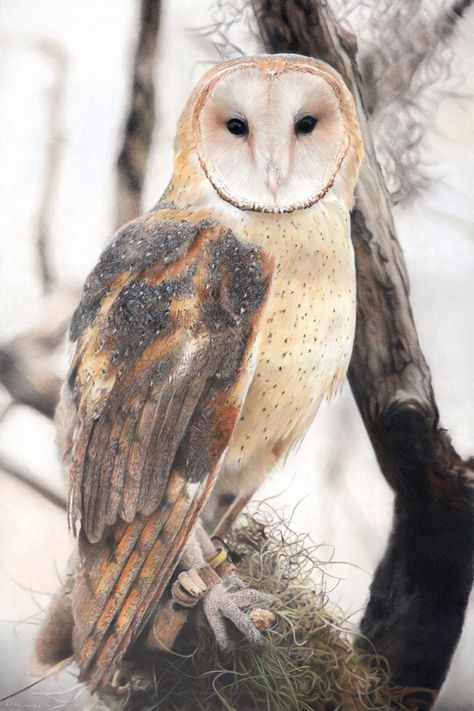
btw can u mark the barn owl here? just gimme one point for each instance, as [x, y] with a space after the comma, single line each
[206, 338]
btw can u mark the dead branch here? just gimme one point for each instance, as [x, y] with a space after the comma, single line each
[27, 367]
[26, 383]
[132, 160]
[428, 568]
[21, 475]
[57, 59]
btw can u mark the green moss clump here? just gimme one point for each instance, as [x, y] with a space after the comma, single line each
[308, 662]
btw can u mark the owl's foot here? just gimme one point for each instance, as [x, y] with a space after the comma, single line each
[226, 601]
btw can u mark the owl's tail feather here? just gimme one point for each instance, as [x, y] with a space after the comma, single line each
[52, 651]
[123, 578]
[116, 587]
[112, 593]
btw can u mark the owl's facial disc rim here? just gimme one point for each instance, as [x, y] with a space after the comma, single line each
[269, 208]
[243, 203]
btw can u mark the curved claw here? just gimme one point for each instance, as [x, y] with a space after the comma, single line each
[221, 604]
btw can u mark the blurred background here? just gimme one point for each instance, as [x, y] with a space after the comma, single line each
[66, 76]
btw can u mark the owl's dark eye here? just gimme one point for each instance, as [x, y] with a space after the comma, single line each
[306, 124]
[239, 127]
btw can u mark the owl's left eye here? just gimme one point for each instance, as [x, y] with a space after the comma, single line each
[306, 124]
[238, 127]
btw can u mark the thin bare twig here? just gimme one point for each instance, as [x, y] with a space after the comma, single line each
[408, 66]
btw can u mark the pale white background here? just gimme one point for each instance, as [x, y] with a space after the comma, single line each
[342, 499]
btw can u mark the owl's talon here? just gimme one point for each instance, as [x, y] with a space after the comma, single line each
[222, 604]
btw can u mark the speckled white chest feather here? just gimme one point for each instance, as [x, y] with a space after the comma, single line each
[305, 340]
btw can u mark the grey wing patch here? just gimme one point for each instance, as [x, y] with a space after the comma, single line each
[154, 239]
[159, 346]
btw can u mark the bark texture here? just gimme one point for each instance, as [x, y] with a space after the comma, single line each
[132, 160]
[421, 588]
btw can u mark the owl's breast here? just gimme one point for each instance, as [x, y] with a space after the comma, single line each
[304, 342]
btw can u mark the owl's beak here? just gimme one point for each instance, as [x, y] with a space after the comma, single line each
[273, 181]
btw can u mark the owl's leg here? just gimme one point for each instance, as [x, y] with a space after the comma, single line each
[227, 600]
[230, 495]
[234, 488]
[228, 512]
[207, 580]
[223, 602]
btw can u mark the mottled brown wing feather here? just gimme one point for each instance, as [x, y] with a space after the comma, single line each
[164, 333]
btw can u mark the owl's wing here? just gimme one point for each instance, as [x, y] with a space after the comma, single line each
[165, 334]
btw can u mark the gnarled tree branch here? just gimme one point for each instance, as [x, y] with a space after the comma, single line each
[427, 572]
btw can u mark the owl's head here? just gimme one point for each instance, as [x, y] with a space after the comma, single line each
[272, 133]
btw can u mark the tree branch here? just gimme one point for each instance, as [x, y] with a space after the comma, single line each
[27, 369]
[27, 383]
[427, 571]
[20, 475]
[54, 53]
[132, 160]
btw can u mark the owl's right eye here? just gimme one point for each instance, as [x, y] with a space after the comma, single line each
[238, 127]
